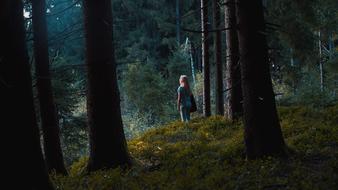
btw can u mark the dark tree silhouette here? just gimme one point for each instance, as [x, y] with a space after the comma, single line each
[108, 148]
[23, 152]
[49, 115]
[263, 135]
[205, 58]
[218, 59]
[178, 21]
[233, 74]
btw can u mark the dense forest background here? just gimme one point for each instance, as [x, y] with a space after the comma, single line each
[89, 91]
[302, 35]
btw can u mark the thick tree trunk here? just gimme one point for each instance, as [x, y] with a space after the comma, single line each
[205, 58]
[218, 59]
[108, 148]
[49, 115]
[263, 135]
[22, 151]
[233, 74]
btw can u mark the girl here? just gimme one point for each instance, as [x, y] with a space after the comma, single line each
[183, 98]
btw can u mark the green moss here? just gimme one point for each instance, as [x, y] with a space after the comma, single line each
[79, 167]
[208, 154]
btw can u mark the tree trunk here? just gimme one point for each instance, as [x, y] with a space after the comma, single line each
[321, 70]
[49, 115]
[205, 58]
[233, 75]
[178, 22]
[218, 59]
[331, 46]
[22, 151]
[263, 135]
[198, 57]
[108, 147]
[192, 65]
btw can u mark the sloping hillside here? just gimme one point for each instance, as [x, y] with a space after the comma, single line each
[209, 154]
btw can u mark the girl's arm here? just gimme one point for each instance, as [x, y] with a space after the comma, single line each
[178, 101]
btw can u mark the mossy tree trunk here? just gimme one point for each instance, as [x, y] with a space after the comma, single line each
[233, 72]
[48, 112]
[205, 58]
[108, 148]
[22, 152]
[263, 135]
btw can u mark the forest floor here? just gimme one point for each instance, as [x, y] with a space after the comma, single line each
[209, 154]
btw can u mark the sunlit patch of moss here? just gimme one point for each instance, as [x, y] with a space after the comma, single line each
[79, 167]
[209, 154]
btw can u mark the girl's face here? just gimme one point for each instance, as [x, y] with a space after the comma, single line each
[182, 81]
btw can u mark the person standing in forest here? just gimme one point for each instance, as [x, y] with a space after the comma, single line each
[184, 98]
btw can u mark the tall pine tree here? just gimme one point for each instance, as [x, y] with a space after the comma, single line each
[22, 151]
[233, 74]
[48, 112]
[205, 58]
[263, 135]
[218, 58]
[108, 148]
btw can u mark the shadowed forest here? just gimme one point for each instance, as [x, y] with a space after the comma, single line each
[92, 95]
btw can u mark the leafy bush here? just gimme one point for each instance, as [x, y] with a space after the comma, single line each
[144, 91]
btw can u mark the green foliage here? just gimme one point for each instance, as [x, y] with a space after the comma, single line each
[68, 91]
[67, 86]
[208, 154]
[79, 167]
[74, 138]
[308, 91]
[293, 36]
[143, 87]
[149, 97]
[179, 64]
[198, 91]
[145, 98]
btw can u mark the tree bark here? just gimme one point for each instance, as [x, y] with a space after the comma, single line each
[190, 47]
[233, 74]
[108, 148]
[178, 21]
[263, 135]
[218, 59]
[48, 113]
[331, 46]
[22, 151]
[205, 58]
[321, 69]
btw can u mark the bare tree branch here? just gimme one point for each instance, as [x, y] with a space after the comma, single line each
[201, 31]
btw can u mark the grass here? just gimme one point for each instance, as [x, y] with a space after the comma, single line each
[209, 154]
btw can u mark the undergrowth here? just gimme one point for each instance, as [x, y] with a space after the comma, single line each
[209, 154]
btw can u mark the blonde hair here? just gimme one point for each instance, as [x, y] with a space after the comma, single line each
[184, 79]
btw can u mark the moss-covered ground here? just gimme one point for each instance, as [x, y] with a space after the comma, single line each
[209, 154]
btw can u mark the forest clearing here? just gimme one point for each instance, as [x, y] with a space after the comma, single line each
[209, 154]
